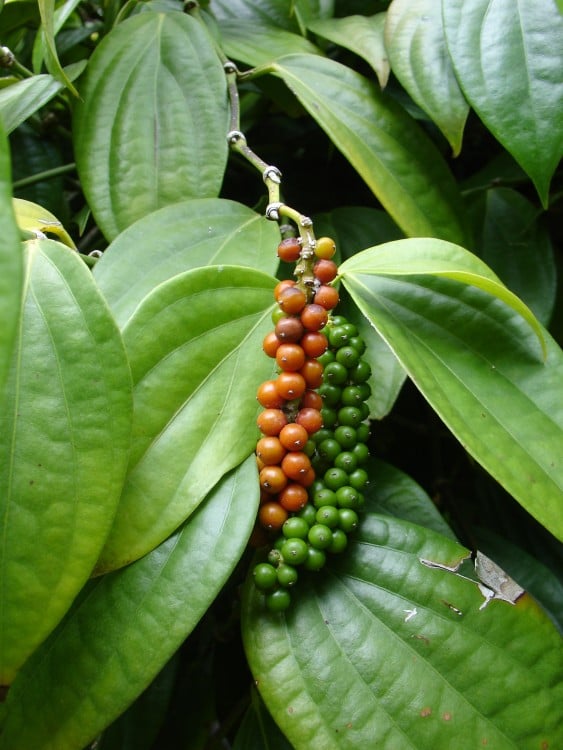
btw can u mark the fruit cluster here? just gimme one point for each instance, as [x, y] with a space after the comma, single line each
[314, 427]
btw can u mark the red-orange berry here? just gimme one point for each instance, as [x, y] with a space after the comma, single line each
[290, 357]
[327, 297]
[310, 419]
[272, 516]
[293, 497]
[312, 371]
[289, 249]
[325, 271]
[292, 300]
[314, 317]
[312, 400]
[295, 464]
[270, 344]
[270, 451]
[314, 343]
[268, 395]
[272, 479]
[271, 421]
[290, 385]
[293, 436]
[281, 286]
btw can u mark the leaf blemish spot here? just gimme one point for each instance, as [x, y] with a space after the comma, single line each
[426, 711]
[447, 716]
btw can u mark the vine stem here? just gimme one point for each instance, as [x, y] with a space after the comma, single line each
[271, 176]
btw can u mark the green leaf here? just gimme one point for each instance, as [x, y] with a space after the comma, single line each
[419, 58]
[151, 128]
[11, 268]
[517, 246]
[34, 218]
[258, 43]
[194, 346]
[47, 12]
[22, 99]
[274, 13]
[64, 442]
[507, 59]
[362, 35]
[197, 232]
[385, 146]
[383, 651]
[258, 731]
[394, 493]
[128, 624]
[475, 359]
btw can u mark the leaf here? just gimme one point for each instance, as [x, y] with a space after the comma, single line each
[383, 651]
[419, 58]
[22, 99]
[475, 359]
[362, 35]
[194, 346]
[385, 146]
[128, 624]
[258, 731]
[44, 45]
[274, 13]
[197, 232]
[518, 247]
[34, 218]
[507, 59]
[64, 442]
[11, 270]
[47, 12]
[153, 119]
[258, 43]
[392, 492]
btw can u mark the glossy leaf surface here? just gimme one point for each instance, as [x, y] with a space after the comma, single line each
[67, 414]
[516, 245]
[419, 58]
[507, 58]
[20, 100]
[195, 348]
[475, 359]
[11, 269]
[385, 146]
[256, 43]
[274, 13]
[383, 651]
[128, 624]
[151, 128]
[193, 233]
[360, 34]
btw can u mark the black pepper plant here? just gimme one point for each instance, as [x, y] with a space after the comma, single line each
[281, 414]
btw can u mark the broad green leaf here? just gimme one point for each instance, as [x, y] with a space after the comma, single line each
[476, 359]
[415, 42]
[385, 146]
[353, 228]
[384, 651]
[392, 492]
[362, 35]
[64, 443]
[517, 246]
[507, 58]
[24, 98]
[128, 624]
[194, 346]
[307, 10]
[11, 269]
[151, 128]
[34, 218]
[274, 13]
[441, 259]
[193, 233]
[48, 31]
[258, 43]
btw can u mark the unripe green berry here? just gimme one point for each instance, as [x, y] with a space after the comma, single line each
[278, 600]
